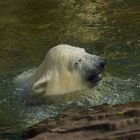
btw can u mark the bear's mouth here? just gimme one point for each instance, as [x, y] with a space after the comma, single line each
[95, 78]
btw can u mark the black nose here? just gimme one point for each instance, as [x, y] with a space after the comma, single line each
[102, 63]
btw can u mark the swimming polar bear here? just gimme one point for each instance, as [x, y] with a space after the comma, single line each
[65, 69]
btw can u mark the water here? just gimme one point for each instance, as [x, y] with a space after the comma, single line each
[29, 28]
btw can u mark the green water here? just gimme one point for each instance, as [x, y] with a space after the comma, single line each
[29, 28]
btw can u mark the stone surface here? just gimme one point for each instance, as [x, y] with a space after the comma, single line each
[96, 123]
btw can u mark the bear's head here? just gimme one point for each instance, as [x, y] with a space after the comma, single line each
[67, 68]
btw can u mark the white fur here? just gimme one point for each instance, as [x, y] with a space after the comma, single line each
[56, 72]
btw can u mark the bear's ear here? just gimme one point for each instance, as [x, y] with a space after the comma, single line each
[40, 86]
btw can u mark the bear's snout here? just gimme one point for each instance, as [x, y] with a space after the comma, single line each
[95, 69]
[102, 63]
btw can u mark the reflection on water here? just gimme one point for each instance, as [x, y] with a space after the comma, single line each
[29, 28]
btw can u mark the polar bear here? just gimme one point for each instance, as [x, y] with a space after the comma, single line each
[65, 69]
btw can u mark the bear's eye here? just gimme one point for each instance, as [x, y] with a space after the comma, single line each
[80, 60]
[76, 63]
